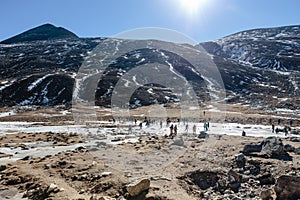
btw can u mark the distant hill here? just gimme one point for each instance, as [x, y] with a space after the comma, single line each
[43, 32]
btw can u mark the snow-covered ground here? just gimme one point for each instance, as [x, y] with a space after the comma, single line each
[128, 128]
[123, 132]
[5, 114]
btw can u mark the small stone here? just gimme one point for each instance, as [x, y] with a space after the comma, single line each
[106, 198]
[80, 148]
[2, 167]
[235, 186]
[137, 187]
[83, 177]
[52, 188]
[266, 194]
[294, 139]
[266, 179]
[297, 151]
[105, 174]
[81, 191]
[62, 162]
[240, 160]
[252, 195]
[179, 142]
[203, 135]
[26, 158]
[234, 177]
[47, 166]
[292, 173]
[94, 197]
[24, 148]
[289, 148]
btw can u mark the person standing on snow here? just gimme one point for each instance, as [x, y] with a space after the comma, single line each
[175, 130]
[171, 129]
[194, 129]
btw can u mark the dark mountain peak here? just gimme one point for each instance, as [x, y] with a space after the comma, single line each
[43, 32]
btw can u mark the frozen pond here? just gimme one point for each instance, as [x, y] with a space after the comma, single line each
[121, 133]
[130, 128]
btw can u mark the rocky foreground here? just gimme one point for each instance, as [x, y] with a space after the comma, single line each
[232, 168]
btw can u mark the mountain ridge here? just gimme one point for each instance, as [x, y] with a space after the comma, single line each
[42, 72]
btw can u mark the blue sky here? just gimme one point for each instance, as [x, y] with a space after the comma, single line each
[209, 20]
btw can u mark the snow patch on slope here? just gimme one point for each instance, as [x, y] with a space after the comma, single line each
[37, 82]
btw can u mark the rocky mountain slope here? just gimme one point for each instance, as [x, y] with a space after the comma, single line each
[259, 67]
[269, 48]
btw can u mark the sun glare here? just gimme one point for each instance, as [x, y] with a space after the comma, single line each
[192, 6]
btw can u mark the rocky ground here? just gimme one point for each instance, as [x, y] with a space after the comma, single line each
[153, 167]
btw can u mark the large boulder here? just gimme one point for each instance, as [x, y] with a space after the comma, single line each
[273, 147]
[288, 187]
[251, 148]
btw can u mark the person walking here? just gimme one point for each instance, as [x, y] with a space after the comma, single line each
[186, 127]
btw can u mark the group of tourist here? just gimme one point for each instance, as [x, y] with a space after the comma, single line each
[172, 124]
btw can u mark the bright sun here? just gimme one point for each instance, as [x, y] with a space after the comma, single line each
[192, 6]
